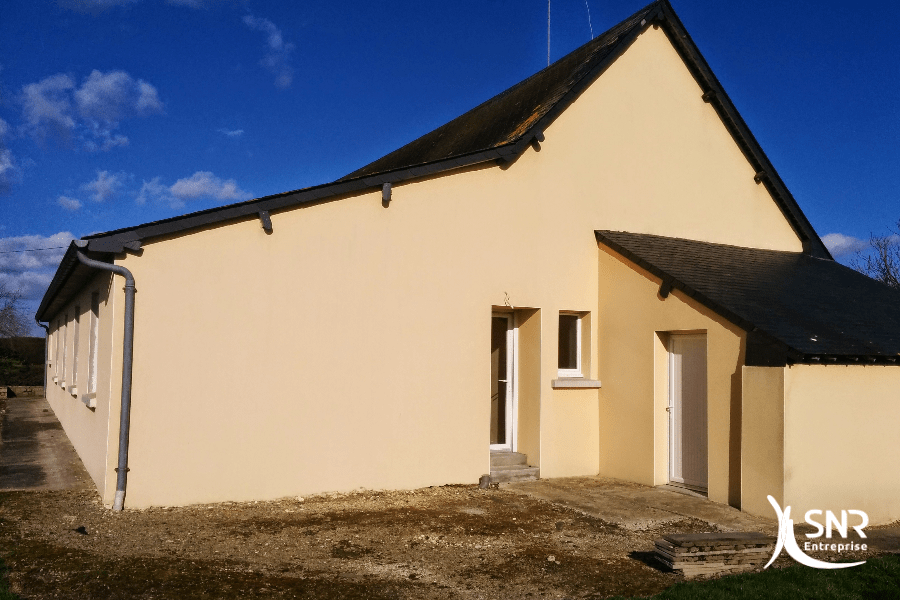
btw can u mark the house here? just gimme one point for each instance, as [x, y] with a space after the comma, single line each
[598, 269]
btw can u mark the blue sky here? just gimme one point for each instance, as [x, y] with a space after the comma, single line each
[119, 112]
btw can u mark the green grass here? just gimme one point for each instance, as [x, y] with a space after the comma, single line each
[5, 594]
[878, 578]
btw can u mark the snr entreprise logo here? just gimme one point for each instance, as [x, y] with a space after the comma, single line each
[787, 541]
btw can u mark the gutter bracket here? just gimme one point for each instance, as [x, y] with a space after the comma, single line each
[265, 220]
[760, 175]
[665, 287]
[709, 96]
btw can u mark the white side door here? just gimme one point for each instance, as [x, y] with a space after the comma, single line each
[688, 453]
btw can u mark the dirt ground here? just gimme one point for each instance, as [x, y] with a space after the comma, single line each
[447, 542]
[443, 542]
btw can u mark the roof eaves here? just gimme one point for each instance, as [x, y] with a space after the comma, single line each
[674, 283]
[847, 359]
[64, 272]
[763, 349]
[715, 94]
[114, 241]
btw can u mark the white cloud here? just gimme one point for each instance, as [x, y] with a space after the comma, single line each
[843, 245]
[105, 186]
[55, 107]
[9, 170]
[200, 185]
[278, 59]
[113, 96]
[203, 184]
[233, 133]
[151, 190]
[31, 272]
[70, 204]
[47, 106]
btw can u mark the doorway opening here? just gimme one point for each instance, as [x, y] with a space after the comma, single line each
[688, 447]
[503, 388]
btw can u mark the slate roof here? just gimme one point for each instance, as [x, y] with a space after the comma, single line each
[508, 117]
[798, 308]
[498, 130]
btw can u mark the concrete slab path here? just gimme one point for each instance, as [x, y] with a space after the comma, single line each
[638, 507]
[35, 453]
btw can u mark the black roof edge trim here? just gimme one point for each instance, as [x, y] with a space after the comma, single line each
[846, 360]
[741, 133]
[116, 241]
[763, 349]
[67, 266]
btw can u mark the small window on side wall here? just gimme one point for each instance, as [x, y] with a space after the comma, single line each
[570, 345]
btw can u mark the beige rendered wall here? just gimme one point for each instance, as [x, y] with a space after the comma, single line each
[635, 324]
[86, 428]
[762, 440]
[350, 347]
[840, 439]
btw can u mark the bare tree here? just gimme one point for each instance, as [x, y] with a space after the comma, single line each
[881, 260]
[13, 322]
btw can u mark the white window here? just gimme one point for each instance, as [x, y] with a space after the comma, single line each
[92, 350]
[57, 347]
[51, 346]
[570, 344]
[65, 326]
[77, 330]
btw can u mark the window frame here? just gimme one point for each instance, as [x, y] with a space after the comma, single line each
[65, 349]
[76, 327]
[578, 371]
[93, 340]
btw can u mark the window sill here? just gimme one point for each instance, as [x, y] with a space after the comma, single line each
[571, 383]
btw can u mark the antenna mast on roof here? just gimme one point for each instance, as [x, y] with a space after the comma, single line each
[548, 33]
[589, 18]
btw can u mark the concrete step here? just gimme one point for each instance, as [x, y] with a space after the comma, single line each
[507, 458]
[507, 473]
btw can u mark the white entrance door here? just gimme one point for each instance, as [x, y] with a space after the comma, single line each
[687, 410]
[502, 382]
